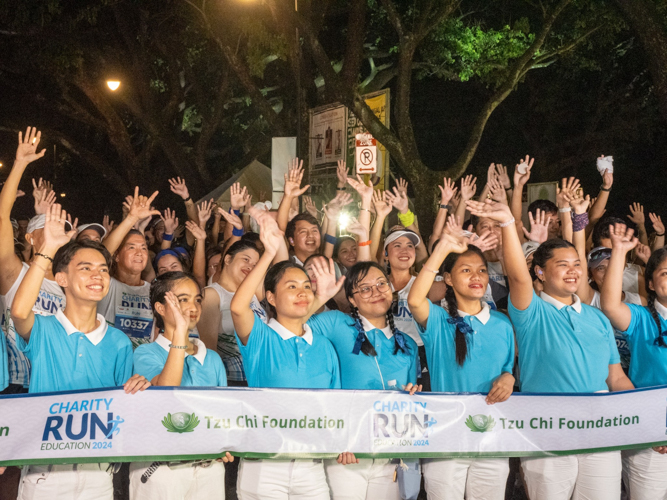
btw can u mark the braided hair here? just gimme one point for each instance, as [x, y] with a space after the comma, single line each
[656, 259]
[357, 273]
[460, 338]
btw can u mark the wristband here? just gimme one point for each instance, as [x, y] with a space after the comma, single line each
[364, 243]
[659, 235]
[579, 221]
[446, 207]
[172, 346]
[237, 232]
[45, 256]
[367, 210]
[565, 210]
[236, 212]
[606, 190]
[330, 239]
[429, 269]
[187, 199]
[167, 237]
[406, 219]
[340, 189]
[508, 223]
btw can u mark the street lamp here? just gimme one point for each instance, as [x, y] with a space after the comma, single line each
[113, 85]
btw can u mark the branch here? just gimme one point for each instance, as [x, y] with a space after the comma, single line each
[394, 17]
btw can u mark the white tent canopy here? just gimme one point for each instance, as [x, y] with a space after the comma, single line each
[255, 176]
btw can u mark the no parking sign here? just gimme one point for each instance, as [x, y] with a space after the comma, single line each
[366, 154]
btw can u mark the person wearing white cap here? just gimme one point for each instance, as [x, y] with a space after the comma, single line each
[93, 232]
[14, 366]
[127, 306]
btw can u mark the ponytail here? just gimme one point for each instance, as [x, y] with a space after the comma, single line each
[366, 346]
[399, 339]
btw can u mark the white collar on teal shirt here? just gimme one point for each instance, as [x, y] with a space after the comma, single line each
[163, 342]
[285, 334]
[95, 336]
[368, 327]
[483, 316]
[558, 304]
[662, 310]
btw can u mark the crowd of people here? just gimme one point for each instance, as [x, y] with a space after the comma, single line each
[574, 303]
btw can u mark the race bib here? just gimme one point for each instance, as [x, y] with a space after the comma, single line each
[134, 316]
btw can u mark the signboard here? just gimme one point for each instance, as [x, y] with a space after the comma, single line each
[366, 154]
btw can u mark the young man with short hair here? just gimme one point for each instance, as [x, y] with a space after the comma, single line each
[72, 350]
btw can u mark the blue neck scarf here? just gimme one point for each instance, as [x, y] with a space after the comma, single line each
[399, 338]
[461, 324]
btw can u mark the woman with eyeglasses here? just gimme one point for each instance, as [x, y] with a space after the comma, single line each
[644, 471]
[470, 348]
[374, 355]
[573, 340]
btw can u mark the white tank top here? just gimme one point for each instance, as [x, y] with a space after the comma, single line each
[403, 317]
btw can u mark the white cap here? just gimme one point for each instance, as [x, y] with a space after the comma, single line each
[38, 221]
[94, 225]
[394, 235]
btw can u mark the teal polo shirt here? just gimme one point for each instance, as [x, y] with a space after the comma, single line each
[204, 369]
[358, 371]
[490, 350]
[275, 357]
[64, 359]
[563, 348]
[648, 362]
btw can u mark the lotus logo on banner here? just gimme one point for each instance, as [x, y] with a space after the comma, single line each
[480, 423]
[180, 422]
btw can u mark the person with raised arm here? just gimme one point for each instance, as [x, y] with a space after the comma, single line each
[127, 305]
[644, 327]
[180, 188]
[14, 365]
[574, 340]
[284, 353]
[447, 192]
[174, 359]
[470, 348]
[72, 350]
[374, 355]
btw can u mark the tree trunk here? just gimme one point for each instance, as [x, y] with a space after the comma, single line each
[645, 19]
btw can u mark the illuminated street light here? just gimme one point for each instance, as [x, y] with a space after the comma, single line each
[113, 85]
[62, 195]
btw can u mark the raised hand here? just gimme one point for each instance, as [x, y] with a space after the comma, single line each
[402, 186]
[293, 179]
[341, 174]
[567, 192]
[497, 191]
[398, 199]
[27, 149]
[381, 203]
[333, 208]
[539, 227]
[622, 238]
[503, 176]
[637, 214]
[447, 190]
[175, 315]
[269, 232]
[607, 179]
[238, 196]
[454, 225]
[198, 232]
[580, 205]
[140, 206]
[170, 221]
[522, 171]
[451, 242]
[491, 209]
[234, 219]
[309, 205]
[324, 272]
[468, 187]
[486, 241]
[178, 187]
[55, 235]
[204, 211]
[364, 190]
[43, 201]
[643, 252]
[357, 228]
[658, 226]
[108, 225]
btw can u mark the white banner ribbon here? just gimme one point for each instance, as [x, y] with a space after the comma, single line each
[187, 423]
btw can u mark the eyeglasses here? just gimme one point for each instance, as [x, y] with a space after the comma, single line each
[366, 291]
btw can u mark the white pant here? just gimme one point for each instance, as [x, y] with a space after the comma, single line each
[179, 482]
[645, 474]
[590, 476]
[472, 478]
[70, 482]
[367, 480]
[282, 480]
